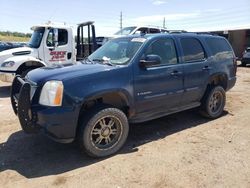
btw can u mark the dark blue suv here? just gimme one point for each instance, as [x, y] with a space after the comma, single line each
[128, 80]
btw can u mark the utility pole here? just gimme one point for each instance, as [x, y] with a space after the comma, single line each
[164, 22]
[121, 20]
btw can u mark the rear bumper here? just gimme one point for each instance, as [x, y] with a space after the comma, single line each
[231, 82]
[59, 123]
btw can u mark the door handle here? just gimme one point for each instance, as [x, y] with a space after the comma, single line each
[69, 54]
[206, 68]
[176, 73]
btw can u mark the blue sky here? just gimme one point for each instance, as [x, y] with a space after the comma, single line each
[191, 15]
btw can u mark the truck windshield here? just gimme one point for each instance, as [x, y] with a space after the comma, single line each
[36, 37]
[117, 51]
[125, 31]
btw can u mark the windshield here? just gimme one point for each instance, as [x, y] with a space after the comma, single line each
[125, 31]
[36, 37]
[117, 51]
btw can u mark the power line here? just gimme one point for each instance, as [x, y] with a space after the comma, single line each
[121, 20]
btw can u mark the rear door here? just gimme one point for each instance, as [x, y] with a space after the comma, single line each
[196, 68]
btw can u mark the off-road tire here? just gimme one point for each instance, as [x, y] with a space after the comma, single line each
[25, 72]
[213, 102]
[95, 126]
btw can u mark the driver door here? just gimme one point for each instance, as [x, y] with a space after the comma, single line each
[58, 51]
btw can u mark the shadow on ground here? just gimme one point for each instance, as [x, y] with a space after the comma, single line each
[5, 91]
[36, 155]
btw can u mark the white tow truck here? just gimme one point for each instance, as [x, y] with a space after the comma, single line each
[49, 44]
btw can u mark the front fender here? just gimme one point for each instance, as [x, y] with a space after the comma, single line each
[127, 98]
[20, 60]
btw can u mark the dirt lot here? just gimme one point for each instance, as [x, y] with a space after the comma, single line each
[181, 150]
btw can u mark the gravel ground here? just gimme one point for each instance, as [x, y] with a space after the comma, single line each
[180, 150]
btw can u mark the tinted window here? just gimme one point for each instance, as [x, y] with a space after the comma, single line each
[153, 30]
[165, 48]
[220, 48]
[192, 50]
[142, 30]
[62, 37]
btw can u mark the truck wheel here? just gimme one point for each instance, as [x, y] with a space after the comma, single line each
[25, 72]
[103, 131]
[213, 103]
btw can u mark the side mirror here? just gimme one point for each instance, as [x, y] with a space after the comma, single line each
[150, 61]
[55, 37]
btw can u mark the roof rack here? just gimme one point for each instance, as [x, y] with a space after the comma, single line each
[207, 33]
[183, 31]
[177, 31]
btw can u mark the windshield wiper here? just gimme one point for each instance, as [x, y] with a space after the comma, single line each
[87, 61]
[105, 62]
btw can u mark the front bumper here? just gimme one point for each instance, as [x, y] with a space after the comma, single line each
[59, 123]
[7, 76]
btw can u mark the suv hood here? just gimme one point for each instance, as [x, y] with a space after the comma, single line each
[59, 72]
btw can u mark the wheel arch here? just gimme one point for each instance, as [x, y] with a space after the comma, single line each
[116, 98]
[31, 64]
[218, 79]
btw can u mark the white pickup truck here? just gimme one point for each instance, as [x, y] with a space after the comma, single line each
[50, 43]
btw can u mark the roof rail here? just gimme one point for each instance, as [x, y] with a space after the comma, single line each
[198, 33]
[177, 31]
[207, 33]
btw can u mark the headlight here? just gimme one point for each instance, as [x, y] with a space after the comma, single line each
[8, 64]
[52, 93]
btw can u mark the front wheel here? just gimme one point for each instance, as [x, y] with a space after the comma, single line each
[214, 102]
[25, 72]
[103, 131]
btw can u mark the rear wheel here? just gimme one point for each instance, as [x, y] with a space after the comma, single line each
[214, 102]
[103, 131]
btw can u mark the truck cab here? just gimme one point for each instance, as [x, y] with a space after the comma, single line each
[49, 44]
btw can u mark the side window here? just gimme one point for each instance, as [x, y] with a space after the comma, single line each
[142, 30]
[165, 48]
[220, 48]
[153, 30]
[192, 49]
[62, 37]
[49, 40]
